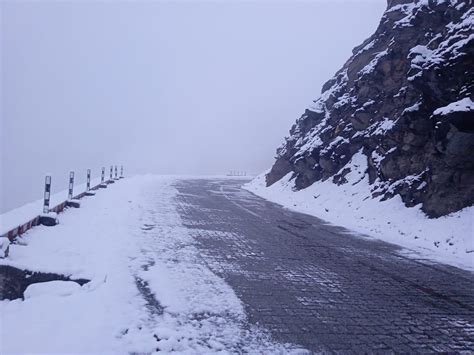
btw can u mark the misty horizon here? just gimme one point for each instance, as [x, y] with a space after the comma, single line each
[165, 88]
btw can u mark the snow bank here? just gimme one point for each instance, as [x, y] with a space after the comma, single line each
[51, 288]
[92, 242]
[449, 239]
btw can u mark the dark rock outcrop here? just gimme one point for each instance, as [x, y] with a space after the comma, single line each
[405, 99]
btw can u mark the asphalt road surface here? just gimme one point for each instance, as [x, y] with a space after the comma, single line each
[318, 286]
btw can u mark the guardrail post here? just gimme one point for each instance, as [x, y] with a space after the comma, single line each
[121, 172]
[71, 185]
[47, 193]
[116, 173]
[111, 179]
[102, 184]
[88, 191]
[70, 202]
[88, 184]
[47, 219]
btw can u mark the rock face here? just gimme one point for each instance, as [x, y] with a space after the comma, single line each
[405, 99]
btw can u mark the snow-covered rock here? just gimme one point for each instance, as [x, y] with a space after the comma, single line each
[51, 288]
[405, 100]
[49, 219]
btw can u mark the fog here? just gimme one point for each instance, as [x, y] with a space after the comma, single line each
[161, 87]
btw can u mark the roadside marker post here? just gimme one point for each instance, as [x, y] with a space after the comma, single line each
[71, 185]
[111, 179]
[121, 172]
[88, 185]
[70, 202]
[116, 173]
[47, 218]
[47, 193]
[102, 184]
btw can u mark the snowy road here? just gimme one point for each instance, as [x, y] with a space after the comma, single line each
[201, 266]
[315, 285]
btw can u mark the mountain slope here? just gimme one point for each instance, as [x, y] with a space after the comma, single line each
[404, 100]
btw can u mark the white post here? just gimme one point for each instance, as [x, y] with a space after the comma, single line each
[47, 193]
[102, 177]
[71, 185]
[88, 185]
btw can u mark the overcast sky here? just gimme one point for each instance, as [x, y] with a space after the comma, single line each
[163, 87]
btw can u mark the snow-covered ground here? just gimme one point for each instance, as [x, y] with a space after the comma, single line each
[448, 239]
[149, 288]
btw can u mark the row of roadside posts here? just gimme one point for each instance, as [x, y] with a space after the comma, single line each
[70, 201]
[49, 216]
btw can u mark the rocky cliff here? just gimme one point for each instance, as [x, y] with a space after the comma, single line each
[405, 100]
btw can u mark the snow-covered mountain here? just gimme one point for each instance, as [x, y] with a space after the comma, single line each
[404, 102]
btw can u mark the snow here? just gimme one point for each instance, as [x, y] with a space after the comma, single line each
[52, 215]
[336, 142]
[344, 100]
[368, 103]
[51, 289]
[75, 201]
[313, 142]
[466, 24]
[447, 239]
[383, 126]
[369, 68]
[149, 288]
[458, 38]
[376, 128]
[422, 54]
[368, 46]
[463, 105]
[415, 107]
[319, 105]
[407, 180]
[377, 158]
[410, 10]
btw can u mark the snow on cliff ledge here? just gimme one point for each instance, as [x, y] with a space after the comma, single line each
[448, 239]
